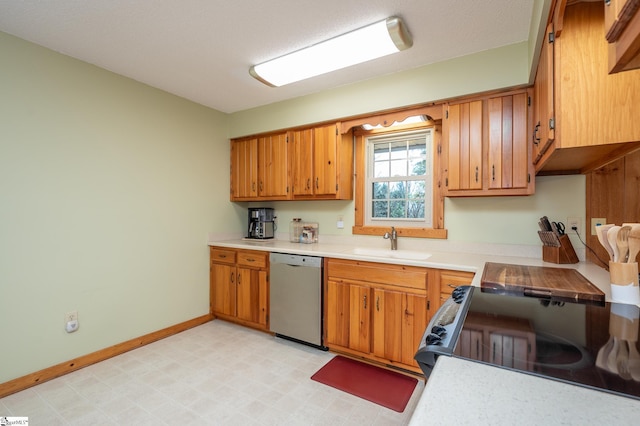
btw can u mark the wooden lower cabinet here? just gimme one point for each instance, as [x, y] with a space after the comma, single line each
[239, 288]
[376, 311]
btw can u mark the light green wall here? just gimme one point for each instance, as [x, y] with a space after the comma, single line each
[108, 190]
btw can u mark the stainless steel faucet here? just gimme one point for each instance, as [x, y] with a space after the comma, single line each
[393, 236]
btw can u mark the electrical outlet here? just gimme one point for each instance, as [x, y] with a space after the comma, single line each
[71, 321]
[573, 222]
[596, 221]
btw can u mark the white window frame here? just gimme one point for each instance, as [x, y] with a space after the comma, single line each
[427, 222]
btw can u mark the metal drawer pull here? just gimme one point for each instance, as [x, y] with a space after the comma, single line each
[365, 302]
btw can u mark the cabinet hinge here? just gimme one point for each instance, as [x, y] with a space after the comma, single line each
[336, 130]
[528, 177]
[446, 182]
[552, 123]
[439, 149]
[286, 139]
[528, 100]
[428, 305]
[336, 187]
[552, 37]
[446, 114]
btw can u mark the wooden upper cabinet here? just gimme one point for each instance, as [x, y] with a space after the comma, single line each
[595, 113]
[508, 149]
[464, 143]
[622, 31]
[486, 149]
[544, 111]
[322, 164]
[325, 140]
[273, 179]
[259, 168]
[244, 168]
[302, 159]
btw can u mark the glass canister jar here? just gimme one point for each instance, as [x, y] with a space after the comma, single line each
[295, 229]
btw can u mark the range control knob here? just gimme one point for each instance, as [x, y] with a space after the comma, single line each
[439, 330]
[433, 339]
[458, 294]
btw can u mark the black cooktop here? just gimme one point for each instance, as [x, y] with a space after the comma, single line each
[593, 345]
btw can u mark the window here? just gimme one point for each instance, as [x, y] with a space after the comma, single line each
[399, 180]
[397, 173]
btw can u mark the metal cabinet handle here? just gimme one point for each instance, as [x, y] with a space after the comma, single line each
[253, 187]
[239, 276]
[309, 183]
[261, 186]
[451, 285]
[232, 277]
[378, 304]
[493, 172]
[317, 182]
[365, 302]
[476, 173]
[536, 138]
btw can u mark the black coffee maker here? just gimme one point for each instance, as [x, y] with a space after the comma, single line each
[261, 223]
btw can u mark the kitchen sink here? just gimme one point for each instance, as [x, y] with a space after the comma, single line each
[395, 254]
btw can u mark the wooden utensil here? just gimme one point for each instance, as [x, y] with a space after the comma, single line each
[612, 237]
[634, 243]
[601, 231]
[622, 242]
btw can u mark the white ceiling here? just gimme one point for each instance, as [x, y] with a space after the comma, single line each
[202, 49]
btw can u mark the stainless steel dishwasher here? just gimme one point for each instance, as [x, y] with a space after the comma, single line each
[296, 298]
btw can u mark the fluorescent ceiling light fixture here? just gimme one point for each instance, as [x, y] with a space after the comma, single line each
[409, 120]
[367, 43]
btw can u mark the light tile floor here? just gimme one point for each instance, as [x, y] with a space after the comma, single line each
[215, 374]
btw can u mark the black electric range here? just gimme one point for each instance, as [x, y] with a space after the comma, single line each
[588, 344]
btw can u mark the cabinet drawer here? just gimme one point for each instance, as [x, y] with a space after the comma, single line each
[449, 280]
[253, 259]
[395, 275]
[219, 255]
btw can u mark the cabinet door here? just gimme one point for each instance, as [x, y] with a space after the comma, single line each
[508, 148]
[544, 120]
[464, 146]
[338, 314]
[244, 168]
[387, 324]
[325, 147]
[303, 162]
[252, 295]
[360, 318]
[273, 166]
[223, 289]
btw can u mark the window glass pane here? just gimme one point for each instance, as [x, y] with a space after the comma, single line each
[398, 150]
[397, 189]
[399, 168]
[381, 169]
[415, 210]
[381, 151]
[380, 209]
[380, 190]
[397, 209]
[415, 189]
[417, 167]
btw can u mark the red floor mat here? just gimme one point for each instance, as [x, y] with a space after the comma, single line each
[384, 387]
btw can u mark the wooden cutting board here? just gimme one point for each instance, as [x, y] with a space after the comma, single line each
[554, 283]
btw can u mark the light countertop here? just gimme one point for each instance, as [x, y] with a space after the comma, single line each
[465, 392]
[440, 259]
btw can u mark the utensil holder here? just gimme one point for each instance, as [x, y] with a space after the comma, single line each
[562, 254]
[624, 282]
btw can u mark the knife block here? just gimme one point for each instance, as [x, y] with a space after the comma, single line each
[563, 254]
